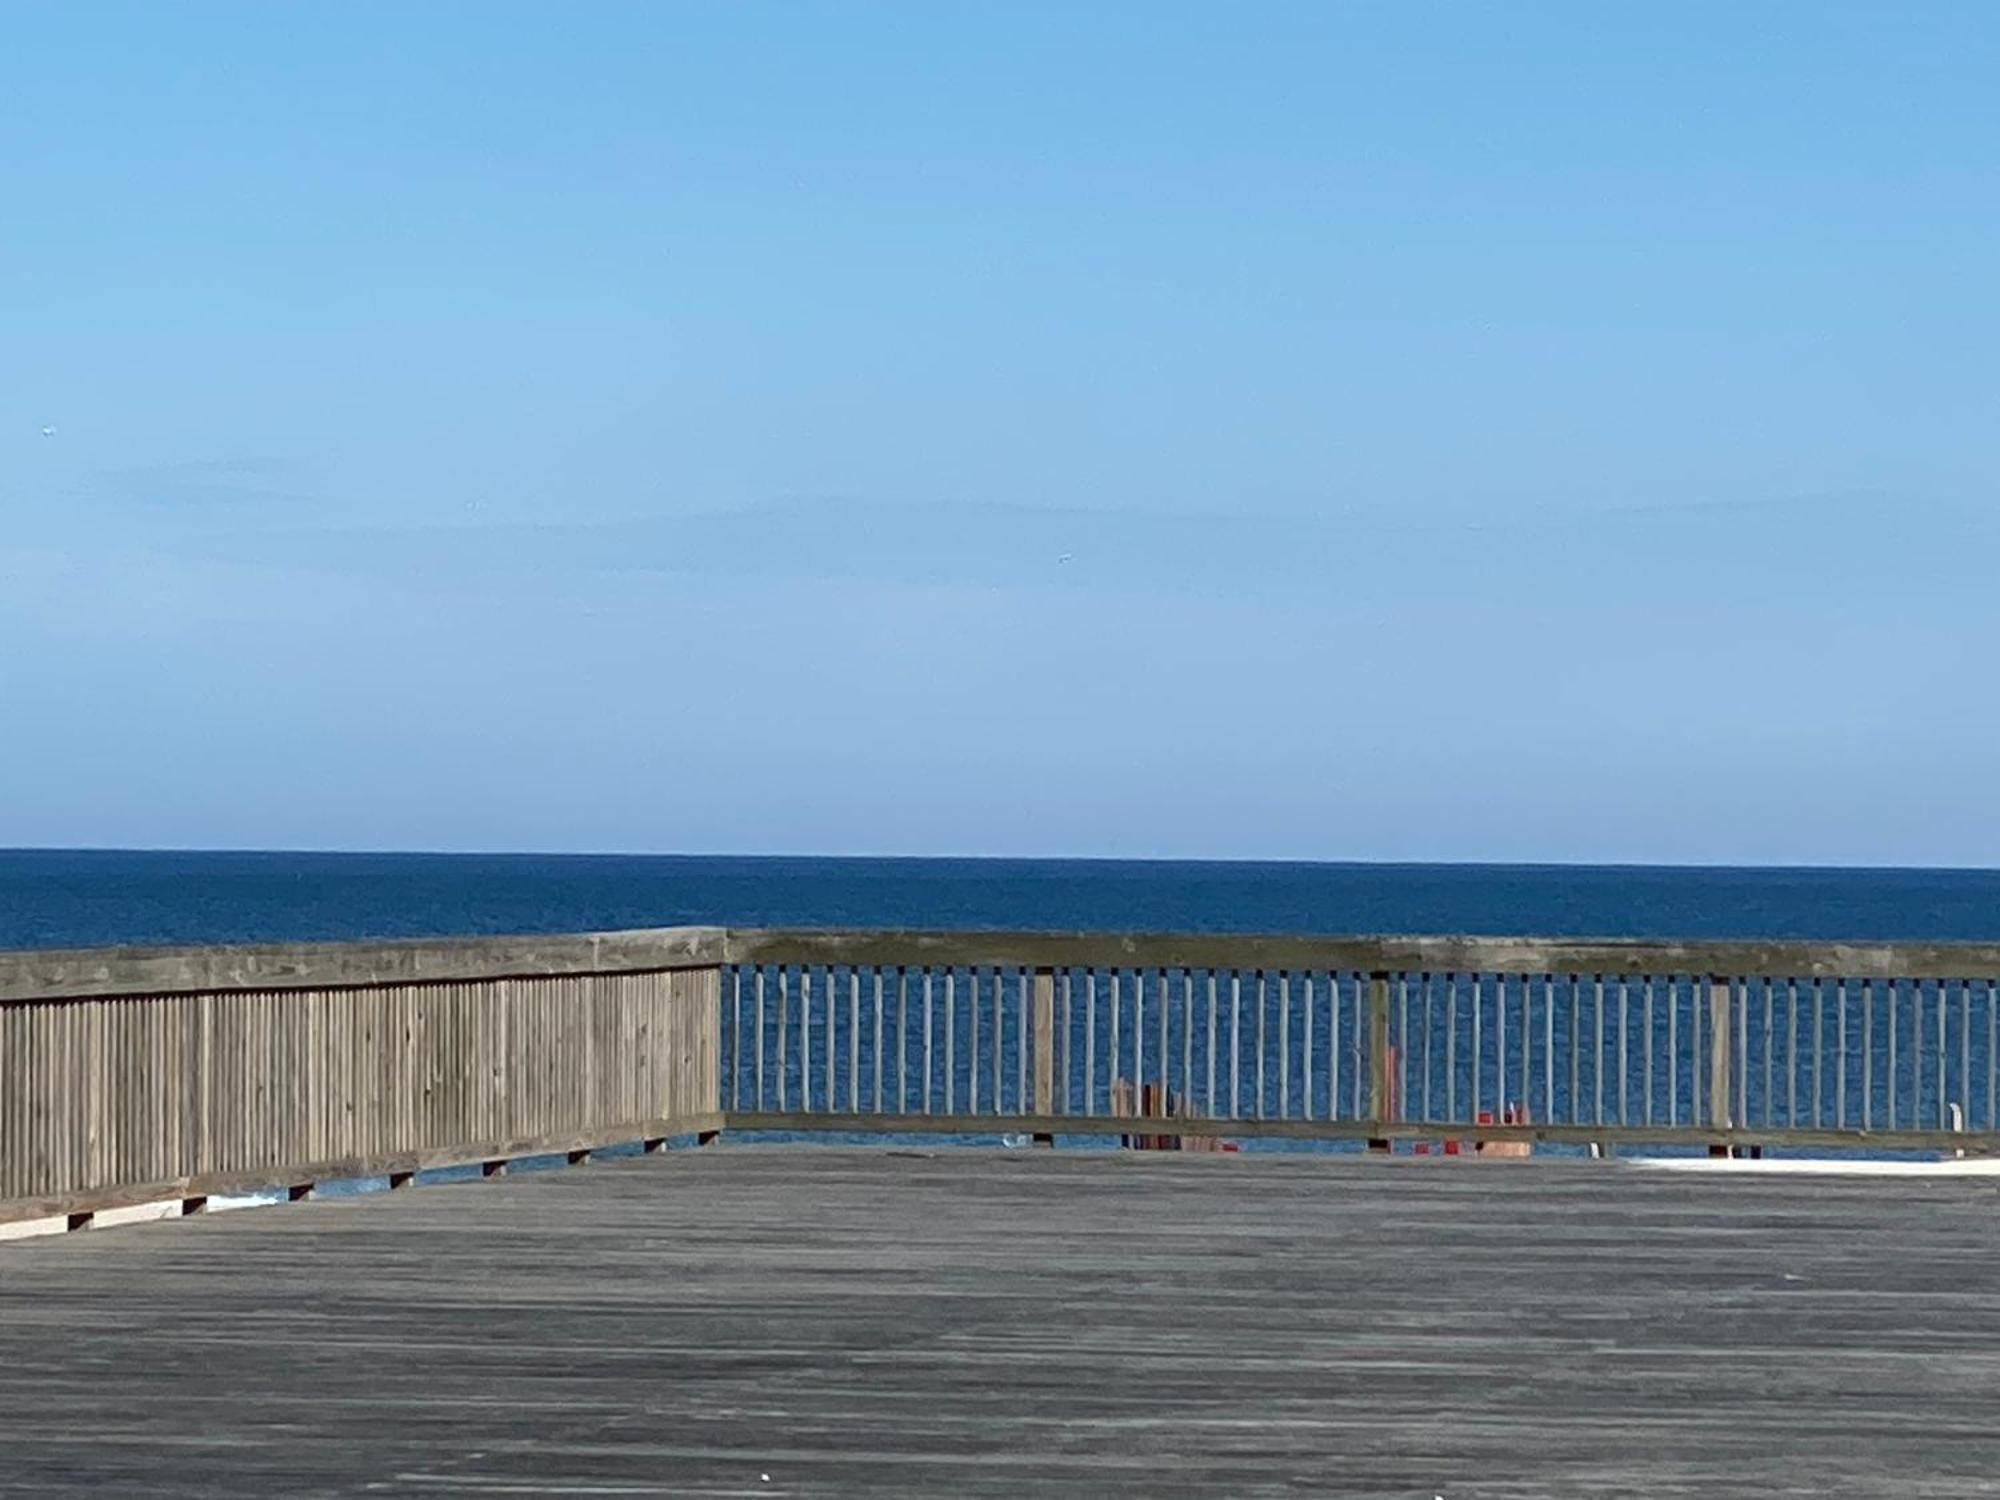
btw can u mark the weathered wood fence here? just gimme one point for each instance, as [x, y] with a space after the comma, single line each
[132, 1075]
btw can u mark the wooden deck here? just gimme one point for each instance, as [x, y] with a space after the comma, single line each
[959, 1323]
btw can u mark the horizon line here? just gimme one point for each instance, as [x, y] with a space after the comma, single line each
[265, 851]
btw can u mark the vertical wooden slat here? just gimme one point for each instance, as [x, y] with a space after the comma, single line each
[18, 1066]
[96, 1091]
[1401, 1001]
[1646, 1107]
[1335, 1046]
[1263, 1021]
[1284, 1044]
[902, 1040]
[1867, 1056]
[1548, 1047]
[41, 1047]
[1360, 1069]
[1066, 1042]
[1021, 987]
[53, 1055]
[1237, 1015]
[880, 1005]
[54, 1142]
[1575, 1029]
[1770, 1075]
[39, 1025]
[1213, 1006]
[760, 1039]
[1187, 1040]
[1139, 1041]
[1943, 1007]
[1478, 1049]
[927, 1106]
[65, 1083]
[1819, 1051]
[1451, 1047]
[1791, 1052]
[1719, 998]
[674, 1094]
[1890, 1090]
[1090, 1041]
[711, 984]
[854, 1040]
[1700, 1074]
[1624, 1054]
[1111, 1043]
[950, 1040]
[15, 1078]
[828, 1036]
[783, 1059]
[1597, 1048]
[1407, 1059]
[1527, 1040]
[1993, 1054]
[1741, 1066]
[1673, 1051]
[735, 1042]
[1306, 1094]
[805, 1037]
[1161, 999]
[1424, 983]
[999, 1049]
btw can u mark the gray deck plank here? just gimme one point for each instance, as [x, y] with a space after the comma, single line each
[965, 1323]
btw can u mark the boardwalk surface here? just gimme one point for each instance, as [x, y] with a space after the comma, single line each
[969, 1324]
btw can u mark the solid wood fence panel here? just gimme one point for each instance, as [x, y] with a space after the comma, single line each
[190, 1092]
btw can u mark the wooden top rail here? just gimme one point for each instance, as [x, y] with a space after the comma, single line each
[82, 973]
[1437, 955]
[32, 975]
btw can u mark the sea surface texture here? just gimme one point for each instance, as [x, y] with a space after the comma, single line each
[67, 899]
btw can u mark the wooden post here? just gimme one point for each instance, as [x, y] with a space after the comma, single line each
[1045, 1048]
[1378, 1056]
[1719, 1056]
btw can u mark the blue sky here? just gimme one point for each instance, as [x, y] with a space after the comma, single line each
[1543, 432]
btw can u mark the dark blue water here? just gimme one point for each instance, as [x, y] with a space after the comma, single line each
[88, 898]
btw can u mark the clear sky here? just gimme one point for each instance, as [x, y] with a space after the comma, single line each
[1539, 431]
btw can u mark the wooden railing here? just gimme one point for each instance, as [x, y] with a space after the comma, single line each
[133, 1076]
[129, 1076]
[1728, 1045]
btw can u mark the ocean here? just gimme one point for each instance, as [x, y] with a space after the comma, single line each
[73, 898]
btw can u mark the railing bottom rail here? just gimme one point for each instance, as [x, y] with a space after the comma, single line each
[868, 1123]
